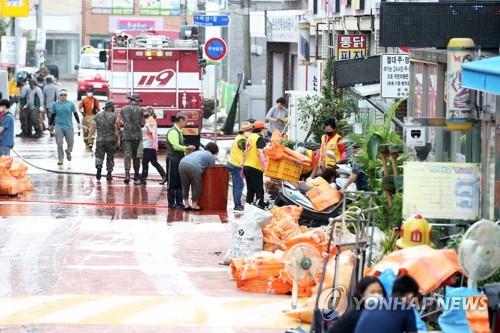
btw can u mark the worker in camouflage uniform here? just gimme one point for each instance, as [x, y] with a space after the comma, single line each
[132, 119]
[108, 138]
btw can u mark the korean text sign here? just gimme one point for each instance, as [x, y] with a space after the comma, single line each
[351, 47]
[441, 190]
[394, 75]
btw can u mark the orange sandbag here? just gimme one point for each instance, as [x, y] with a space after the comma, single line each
[18, 169]
[276, 137]
[284, 225]
[315, 237]
[346, 264]
[477, 316]
[25, 184]
[278, 152]
[261, 272]
[8, 184]
[429, 267]
[261, 265]
[6, 161]
[323, 196]
[274, 285]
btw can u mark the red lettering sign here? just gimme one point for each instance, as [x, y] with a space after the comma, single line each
[160, 79]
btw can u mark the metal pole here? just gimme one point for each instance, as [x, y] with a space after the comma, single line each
[247, 59]
[39, 27]
[17, 35]
[217, 78]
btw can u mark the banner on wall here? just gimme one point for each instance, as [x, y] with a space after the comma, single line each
[441, 190]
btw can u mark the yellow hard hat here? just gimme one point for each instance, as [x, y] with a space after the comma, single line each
[415, 231]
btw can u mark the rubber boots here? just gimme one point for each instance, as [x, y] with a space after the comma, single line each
[98, 173]
[126, 180]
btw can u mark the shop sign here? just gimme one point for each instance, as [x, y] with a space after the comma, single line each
[14, 8]
[459, 101]
[351, 47]
[128, 23]
[441, 190]
[394, 75]
[282, 28]
[8, 56]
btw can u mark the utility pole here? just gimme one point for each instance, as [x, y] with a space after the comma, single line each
[184, 13]
[16, 32]
[40, 49]
[247, 60]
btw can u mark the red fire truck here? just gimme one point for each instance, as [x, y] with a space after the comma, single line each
[166, 72]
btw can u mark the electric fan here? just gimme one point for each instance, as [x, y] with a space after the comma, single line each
[302, 263]
[479, 251]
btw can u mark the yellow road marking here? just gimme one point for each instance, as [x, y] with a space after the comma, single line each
[253, 311]
[32, 313]
[122, 312]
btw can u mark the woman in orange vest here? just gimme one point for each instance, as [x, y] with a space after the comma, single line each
[255, 164]
[331, 141]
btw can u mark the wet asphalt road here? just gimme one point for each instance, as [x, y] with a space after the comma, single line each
[81, 255]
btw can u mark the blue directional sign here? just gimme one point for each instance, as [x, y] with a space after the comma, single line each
[215, 49]
[211, 20]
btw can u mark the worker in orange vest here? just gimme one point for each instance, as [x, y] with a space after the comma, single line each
[331, 141]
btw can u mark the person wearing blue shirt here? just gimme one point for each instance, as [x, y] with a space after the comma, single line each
[191, 169]
[6, 129]
[61, 120]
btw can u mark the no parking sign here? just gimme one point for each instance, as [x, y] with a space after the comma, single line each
[215, 49]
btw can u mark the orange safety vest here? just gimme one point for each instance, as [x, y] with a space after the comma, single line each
[330, 145]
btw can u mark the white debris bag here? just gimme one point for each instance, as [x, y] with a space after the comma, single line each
[247, 235]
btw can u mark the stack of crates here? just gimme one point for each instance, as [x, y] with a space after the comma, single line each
[284, 170]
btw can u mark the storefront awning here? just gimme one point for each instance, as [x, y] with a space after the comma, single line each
[482, 75]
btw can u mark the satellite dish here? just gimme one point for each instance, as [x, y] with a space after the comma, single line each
[479, 251]
[302, 263]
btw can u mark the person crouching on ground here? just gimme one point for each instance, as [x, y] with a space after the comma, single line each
[150, 146]
[254, 165]
[61, 119]
[191, 170]
[108, 138]
[235, 164]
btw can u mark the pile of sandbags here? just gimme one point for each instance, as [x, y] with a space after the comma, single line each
[278, 152]
[264, 272]
[13, 178]
[346, 259]
[261, 272]
[283, 226]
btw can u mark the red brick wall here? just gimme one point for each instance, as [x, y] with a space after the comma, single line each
[97, 24]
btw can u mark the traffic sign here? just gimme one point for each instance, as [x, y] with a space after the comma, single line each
[211, 20]
[215, 49]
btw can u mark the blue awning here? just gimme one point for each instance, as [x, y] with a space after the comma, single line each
[482, 75]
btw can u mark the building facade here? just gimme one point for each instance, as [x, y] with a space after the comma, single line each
[61, 23]
[101, 18]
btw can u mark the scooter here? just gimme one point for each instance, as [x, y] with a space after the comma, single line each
[292, 194]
